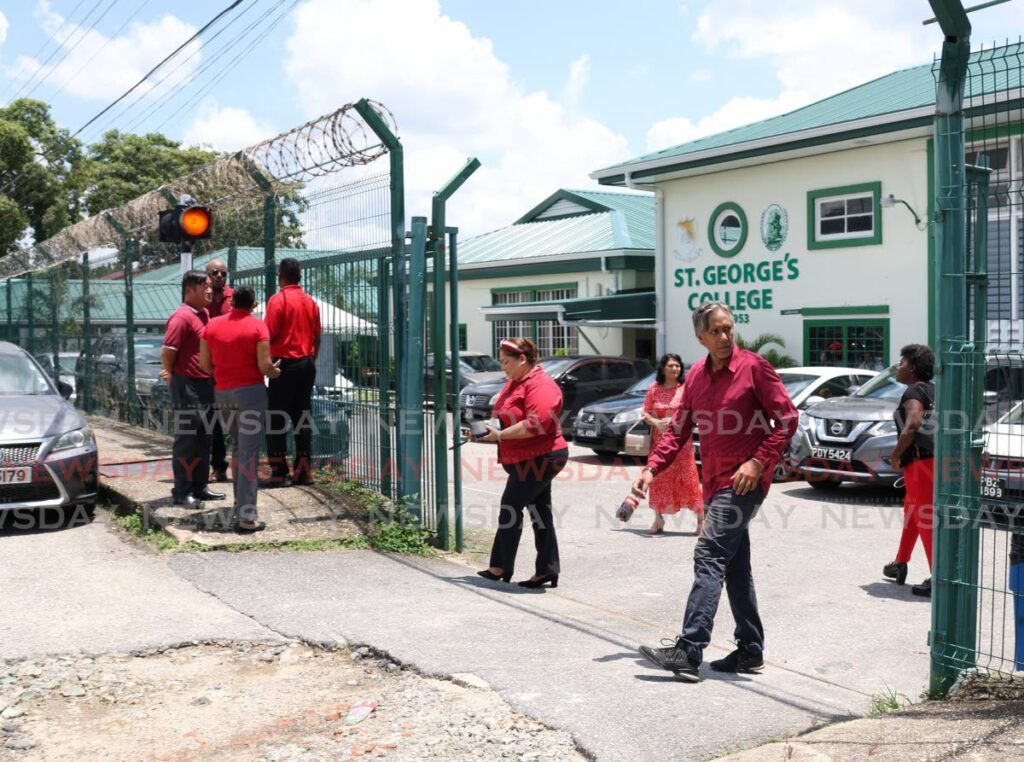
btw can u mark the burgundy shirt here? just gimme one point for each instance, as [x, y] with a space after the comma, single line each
[733, 411]
[537, 399]
[293, 320]
[220, 303]
[184, 330]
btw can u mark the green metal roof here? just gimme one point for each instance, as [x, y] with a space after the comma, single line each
[153, 302]
[895, 94]
[249, 258]
[585, 222]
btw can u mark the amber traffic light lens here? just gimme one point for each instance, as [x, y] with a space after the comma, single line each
[195, 221]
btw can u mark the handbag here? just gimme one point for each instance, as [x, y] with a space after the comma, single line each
[638, 439]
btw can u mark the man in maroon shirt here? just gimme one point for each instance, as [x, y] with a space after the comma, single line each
[191, 390]
[745, 418]
[293, 320]
[220, 304]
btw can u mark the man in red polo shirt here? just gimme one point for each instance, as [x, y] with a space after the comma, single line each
[191, 394]
[293, 320]
[220, 304]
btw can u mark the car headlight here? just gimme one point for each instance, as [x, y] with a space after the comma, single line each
[628, 416]
[78, 438]
[494, 399]
[806, 422]
[883, 427]
[144, 385]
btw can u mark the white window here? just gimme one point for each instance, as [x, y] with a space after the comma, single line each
[847, 216]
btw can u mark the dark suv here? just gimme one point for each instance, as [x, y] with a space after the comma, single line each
[474, 367]
[109, 369]
[583, 379]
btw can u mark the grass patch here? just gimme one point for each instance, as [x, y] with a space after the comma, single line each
[887, 701]
[135, 525]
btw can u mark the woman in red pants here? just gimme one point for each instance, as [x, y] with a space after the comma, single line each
[914, 455]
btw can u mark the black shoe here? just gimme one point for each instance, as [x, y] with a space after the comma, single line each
[533, 584]
[220, 475]
[209, 494]
[276, 482]
[189, 502]
[303, 481]
[896, 571]
[248, 527]
[924, 589]
[674, 659]
[743, 659]
[486, 574]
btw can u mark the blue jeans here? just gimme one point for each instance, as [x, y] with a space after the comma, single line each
[722, 555]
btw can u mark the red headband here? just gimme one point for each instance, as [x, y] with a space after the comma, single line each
[511, 347]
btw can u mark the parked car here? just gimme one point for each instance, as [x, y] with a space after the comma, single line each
[583, 380]
[1002, 463]
[474, 368]
[68, 368]
[109, 370]
[1004, 384]
[48, 456]
[603, 425]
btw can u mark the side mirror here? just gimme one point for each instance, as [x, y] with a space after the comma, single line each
[852, 389]
[64, 389]
[106, 360]
[989, 398]
[814, 399]
[569, 378]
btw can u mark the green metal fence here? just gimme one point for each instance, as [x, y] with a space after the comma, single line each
[91, 303]
[978, 578]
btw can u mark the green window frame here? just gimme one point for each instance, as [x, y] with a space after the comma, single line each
[847, 332]
[844, 193]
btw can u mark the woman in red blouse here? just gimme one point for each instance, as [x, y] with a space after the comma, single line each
[532, 452]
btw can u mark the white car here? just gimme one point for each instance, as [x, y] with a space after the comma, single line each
[1002, 462]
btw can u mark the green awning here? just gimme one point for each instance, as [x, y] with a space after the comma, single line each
[623, 307]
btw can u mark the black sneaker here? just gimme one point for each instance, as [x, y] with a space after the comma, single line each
[743, 659]
[674, 659]
[924, 589]
[896, 571]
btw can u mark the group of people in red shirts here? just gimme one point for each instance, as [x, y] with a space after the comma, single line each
[216, 356]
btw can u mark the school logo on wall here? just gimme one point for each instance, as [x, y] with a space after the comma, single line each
[774, 227]
[686, 248]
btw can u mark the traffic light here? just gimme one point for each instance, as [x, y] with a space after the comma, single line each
[184, 224]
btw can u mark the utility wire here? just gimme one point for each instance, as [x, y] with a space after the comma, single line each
[148, 74]
[46, 42]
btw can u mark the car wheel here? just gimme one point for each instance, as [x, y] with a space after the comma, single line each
[825, 484]
[606, 454]
[783, 473]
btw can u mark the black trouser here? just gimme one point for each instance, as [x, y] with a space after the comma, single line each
[192, 400]
[288, 399]
[218, 451]
[529, 486]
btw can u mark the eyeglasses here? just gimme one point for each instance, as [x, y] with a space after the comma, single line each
[218, 272]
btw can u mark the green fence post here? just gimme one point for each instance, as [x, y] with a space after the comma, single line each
[269, 241]
[947, 628]
[54, 326]
[410, 377]
[232, 259]
[85, 393]
[30, 314]
[129, 315]
[453, 291]
[396, 158]
[10, 312]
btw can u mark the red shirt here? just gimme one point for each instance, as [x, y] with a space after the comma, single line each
[184, 329]
[232, 340]
[733, 410]
[294, 323]
[537, 399]
[220, 302]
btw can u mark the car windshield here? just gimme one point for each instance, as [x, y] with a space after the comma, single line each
[20, 376]
[883, 386]
[796, 382]
[481, 363]
[148, 355]
[1015, 417]
[554, 366]
[639, 389]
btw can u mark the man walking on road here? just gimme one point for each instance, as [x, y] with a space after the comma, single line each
[293, 320]
[191, 394]
[220, 304]
[733, 396]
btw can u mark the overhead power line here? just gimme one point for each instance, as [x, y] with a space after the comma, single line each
[51, 38]
[148, 74]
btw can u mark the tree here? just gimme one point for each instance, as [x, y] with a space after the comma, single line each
[776, 358]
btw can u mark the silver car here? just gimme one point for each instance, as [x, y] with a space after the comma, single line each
[849, 439]
[48, 456]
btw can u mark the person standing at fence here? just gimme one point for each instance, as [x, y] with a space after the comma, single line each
[236, 350]
[745, 419]
[191, 394]
[220, 304]
[293, 320]
[532, 452]
[914, 455]
[678, 486]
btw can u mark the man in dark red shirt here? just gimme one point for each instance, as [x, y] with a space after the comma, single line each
[745, 419]
[293, 320]
[191, 394]
[220, 304]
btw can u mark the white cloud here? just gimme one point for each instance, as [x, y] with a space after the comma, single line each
[579, 78]
[452, 97]
[4, 25]
[225, 128]
[700, 75]
[98, 67]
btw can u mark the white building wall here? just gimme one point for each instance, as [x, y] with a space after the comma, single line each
[892, 273]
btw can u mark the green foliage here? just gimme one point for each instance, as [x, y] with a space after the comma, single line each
[759, 344]
[561, 352]
[12, 222]
[136, 524]
[398, 532]
[887, 701]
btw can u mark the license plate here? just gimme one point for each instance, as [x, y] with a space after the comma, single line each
[588, 433]
[992, 487]
[16, 475]
[832, 453]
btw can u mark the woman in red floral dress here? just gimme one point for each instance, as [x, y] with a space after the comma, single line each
[678, 486]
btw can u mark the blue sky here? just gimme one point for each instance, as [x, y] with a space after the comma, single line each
[542, 91]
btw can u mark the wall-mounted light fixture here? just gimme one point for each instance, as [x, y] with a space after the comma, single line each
[891, 200]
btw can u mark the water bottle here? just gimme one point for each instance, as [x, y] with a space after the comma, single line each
[626, 509]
